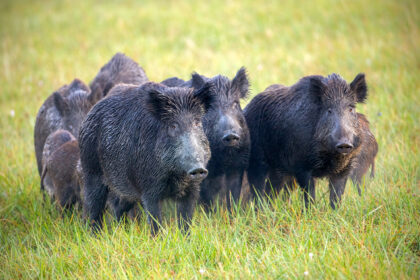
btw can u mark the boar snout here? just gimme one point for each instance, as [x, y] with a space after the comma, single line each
[198, 174]
[231, 139]
[344, 147]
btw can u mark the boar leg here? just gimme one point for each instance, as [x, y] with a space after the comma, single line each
[95, 195]
[152, 205]
[372, 170]
[337, 186]
[122, 207]
[234, 185]
[307, 183]
[357, 177]
[185, 208]
[275, 183]
[257, 173]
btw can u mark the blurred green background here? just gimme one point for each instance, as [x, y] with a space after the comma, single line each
[45, 44]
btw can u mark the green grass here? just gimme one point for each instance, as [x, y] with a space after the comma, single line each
[45, 44]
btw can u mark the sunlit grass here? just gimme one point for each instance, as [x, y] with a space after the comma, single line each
[45, 44]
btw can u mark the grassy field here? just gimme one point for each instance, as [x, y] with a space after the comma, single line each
[45, 44]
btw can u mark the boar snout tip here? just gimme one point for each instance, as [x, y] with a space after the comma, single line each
[198, 174]
[231, 139]
[344, 147]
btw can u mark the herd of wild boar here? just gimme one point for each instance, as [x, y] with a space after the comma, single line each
[124, 140]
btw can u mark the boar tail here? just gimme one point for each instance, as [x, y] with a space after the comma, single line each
[44, 172]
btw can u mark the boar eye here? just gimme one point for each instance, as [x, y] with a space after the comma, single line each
[173, 128]
[196, 123]
[235, 104]
[329, 111]
[351, 109]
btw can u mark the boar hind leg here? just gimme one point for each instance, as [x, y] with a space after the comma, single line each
[372, 169]
[210, 187]
[275, 183]
[337, 186]
[357, 177]
[307, 183]
[257, 173]
[95, 195]
[121, 206]
[152, 205]
[234, 185]
[289, 186]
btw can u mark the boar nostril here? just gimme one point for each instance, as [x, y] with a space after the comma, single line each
[344, 147]
[231, 138]
[198, 173]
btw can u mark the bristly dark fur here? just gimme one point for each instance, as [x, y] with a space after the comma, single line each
[169, 103]
[224, 117]
[141, 142]
[367, 155]
[297, 131]
[119, 70]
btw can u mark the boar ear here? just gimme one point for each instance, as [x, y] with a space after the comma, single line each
[60, 103]
[197, 81]
[317, 86]
[77, 84]
[359, 87]
[241, 82]
[204, 95]
[156, 102]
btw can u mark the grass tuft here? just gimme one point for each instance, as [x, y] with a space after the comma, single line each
[45, 44]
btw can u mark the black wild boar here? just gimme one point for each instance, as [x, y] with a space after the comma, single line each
[145, 144]
[309, 130]
[60, 158]
[366, 157]
[64, 109]
[119, 70]
[227, 132]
